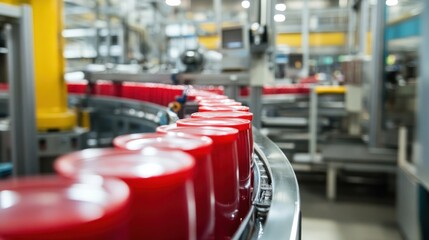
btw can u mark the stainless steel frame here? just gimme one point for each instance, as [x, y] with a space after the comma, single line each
[19, 40]
[284, 216]
[231, 81]
[227, 79]
[422, 99]
[313, 124]
[377, 70]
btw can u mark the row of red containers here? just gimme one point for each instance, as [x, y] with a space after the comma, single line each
[139, 91]
[161, 94]
[192, 180]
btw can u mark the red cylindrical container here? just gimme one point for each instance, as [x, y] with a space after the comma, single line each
[220, 104]
[225, 169]
[162, 199]
[200, 149]
[143, 91]
[5, 87]
[243, 126]
[77, 87]
[228, 114]
[223, 109]
[129, 90]
[105, 88]
[216, 101]
[209, 97]
[244, 160]
[244, 153]
[223, 114]
[244, 91]
[40, 208]
[164, 128]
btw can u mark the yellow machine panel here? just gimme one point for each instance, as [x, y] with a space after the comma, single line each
[51, 95]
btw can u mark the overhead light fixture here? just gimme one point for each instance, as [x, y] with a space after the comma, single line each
[391, 3]
[245, 4]
[281, 7]
[173, 3]
[279, 18]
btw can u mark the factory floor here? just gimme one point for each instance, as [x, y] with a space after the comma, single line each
[359, 213]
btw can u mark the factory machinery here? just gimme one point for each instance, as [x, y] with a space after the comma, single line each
[318, 128]
[34, 135]
[114, 109]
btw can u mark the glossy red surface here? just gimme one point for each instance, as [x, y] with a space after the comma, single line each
[223, 108]
[219, 104]
[213, 101]
[160, 183]
[217, 134]
[200, 148]
[209, 97]
[129, 90]
[77, 87]
[59, 208]
[223, 114]
[244, 145]
[108, 88]
[239, 124]
[164, 128]
[225, 168]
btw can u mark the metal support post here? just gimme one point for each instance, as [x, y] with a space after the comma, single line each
[422, 153]
[363, 27]
[256, 105]
[312, 143]
[331, 182]
[305, 45]
[378, 14]
[19, 41]
[351, 28]
[217, 6]
[232, 91]
[108, 57]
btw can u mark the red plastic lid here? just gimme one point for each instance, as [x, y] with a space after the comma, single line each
[220, 104]
[195, 146]
[164, 128]
[239, 124]
[210, 97]
[223, 108]
[46, 205]
[148, 168]
[217, 134]
[213, 101]
[224, 114]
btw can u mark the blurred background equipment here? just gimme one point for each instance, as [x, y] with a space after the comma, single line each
[337, 89]
[193, 60]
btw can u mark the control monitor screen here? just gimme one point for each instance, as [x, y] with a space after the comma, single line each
[232, 38]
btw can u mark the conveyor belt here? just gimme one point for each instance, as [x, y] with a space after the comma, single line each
[275, 213]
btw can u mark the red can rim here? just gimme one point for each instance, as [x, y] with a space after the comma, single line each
[219, 135]
[223, 108]
[194, 145]
[62, 197]
[213, 101]
[164, 128]
[210, 97]
[239, 124]
[224, 114]
[149, 168]
[220, 104]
